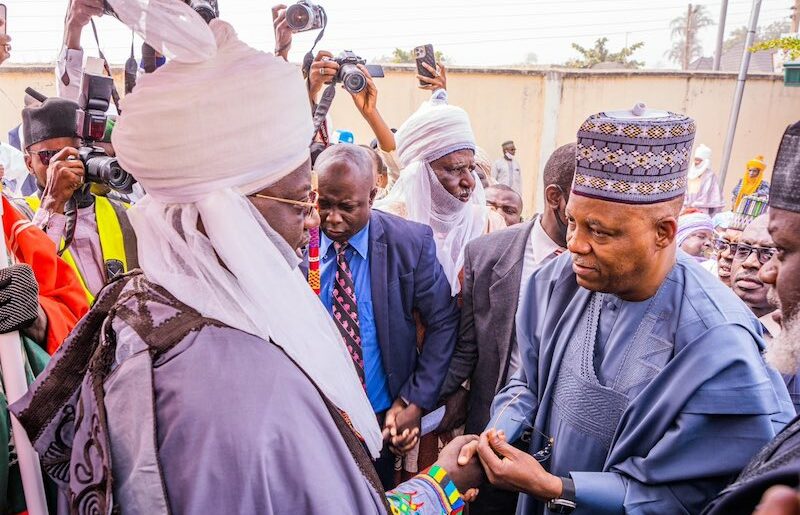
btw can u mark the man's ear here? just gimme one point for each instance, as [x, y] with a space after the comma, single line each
[666, 230]
[28, 162]
[372, 193]
[553, 196]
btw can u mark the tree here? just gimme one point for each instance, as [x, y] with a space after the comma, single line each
[771, 32]
[791, 46]
[685, 43]
[600, 54]
[400, 56]
[531, 58]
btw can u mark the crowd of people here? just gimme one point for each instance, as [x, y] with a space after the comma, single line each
[272, 323]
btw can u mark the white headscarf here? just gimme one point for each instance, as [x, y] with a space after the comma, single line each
[434, 131]
[199, 136]
[704, 153]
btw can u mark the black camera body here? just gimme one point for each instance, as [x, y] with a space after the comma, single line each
[207, 9]
[305, 15]
[351, 78]
[94, 101]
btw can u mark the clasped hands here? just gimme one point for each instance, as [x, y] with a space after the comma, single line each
[505, 466]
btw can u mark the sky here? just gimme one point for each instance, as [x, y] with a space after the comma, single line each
[468, 32]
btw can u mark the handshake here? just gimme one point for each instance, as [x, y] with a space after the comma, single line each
[467, 459]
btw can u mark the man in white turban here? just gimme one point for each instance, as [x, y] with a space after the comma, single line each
[438, 184]
[702, 190]
[214, 381]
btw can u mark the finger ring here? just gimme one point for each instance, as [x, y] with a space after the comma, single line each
[322, 71]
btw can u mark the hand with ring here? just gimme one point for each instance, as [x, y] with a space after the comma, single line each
[323, 70]
[439, 79]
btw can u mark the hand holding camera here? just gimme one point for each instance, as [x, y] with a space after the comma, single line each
[323, 70]
[79, 15]
[283, 33]
[65, 175]
[5, 39]
[366, 100]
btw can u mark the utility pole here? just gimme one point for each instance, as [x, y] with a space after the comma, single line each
[688, 38]
[737, 98]
[723, 13]
[796, 17]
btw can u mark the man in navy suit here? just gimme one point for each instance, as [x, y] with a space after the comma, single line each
[378, 271]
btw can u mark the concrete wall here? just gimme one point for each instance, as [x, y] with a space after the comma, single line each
[541, 109]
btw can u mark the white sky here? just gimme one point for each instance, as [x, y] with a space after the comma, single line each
[470, 32]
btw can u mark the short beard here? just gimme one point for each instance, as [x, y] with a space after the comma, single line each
[783, 352]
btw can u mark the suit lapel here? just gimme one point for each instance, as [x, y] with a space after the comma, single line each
[504, 293]
[379, 277]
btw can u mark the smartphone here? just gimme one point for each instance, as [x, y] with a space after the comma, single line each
[4, 17]
[424, 54]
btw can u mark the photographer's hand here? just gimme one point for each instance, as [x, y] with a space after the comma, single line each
[322, 72]
[439, 80]
[65, 175]
[5, 47]
[366, 102]
[283, 34]
[79, 15]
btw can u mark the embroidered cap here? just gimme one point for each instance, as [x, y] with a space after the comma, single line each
[784, 192]
[637, 156]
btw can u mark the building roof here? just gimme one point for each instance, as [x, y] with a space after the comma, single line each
[760, 62]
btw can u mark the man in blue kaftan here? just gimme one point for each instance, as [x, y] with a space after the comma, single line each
[642, 376]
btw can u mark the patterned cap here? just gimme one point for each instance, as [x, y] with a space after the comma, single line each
[784, 192]
[640, 156]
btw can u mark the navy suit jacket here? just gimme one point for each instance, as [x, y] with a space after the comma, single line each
[407, 277]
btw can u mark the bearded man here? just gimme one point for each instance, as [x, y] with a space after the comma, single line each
[776, 468]
[438, 185]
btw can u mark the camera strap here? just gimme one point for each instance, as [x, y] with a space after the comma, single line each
[321, 109]
[131, 69]
[107, 68]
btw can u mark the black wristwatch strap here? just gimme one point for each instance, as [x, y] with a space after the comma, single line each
[564, 504]
[568, 492]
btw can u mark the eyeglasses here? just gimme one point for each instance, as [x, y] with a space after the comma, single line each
[309, 204]
[721, 245]
[764, 254]
[543, 454]
[45, 155]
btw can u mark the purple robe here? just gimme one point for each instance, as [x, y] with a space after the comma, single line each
[181, 414]
[708, 198]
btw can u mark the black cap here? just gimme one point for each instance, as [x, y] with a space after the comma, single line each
[54, 118]
[784, 191]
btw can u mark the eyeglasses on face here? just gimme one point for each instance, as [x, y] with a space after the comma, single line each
[764, 254]
[721, 245]
[45, 155]
[308, 204]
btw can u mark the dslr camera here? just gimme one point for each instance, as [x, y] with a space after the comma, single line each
[351, 78]
[207, 9]
[305, 15]
[94, 100]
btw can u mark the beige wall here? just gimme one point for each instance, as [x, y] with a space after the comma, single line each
[510, 104]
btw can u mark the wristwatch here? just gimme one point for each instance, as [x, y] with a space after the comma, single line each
[566, 503]
[561, 505]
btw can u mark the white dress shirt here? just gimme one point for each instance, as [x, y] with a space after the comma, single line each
[538, 251]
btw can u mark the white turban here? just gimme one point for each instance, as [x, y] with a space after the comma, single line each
[199, 136]
[704, 153]
[434, 131]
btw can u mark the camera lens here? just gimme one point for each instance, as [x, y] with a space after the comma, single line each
[354, 81]
[298, 17]
[106, 170]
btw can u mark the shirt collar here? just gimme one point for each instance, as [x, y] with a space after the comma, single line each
[359, 242]
[542, 244]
